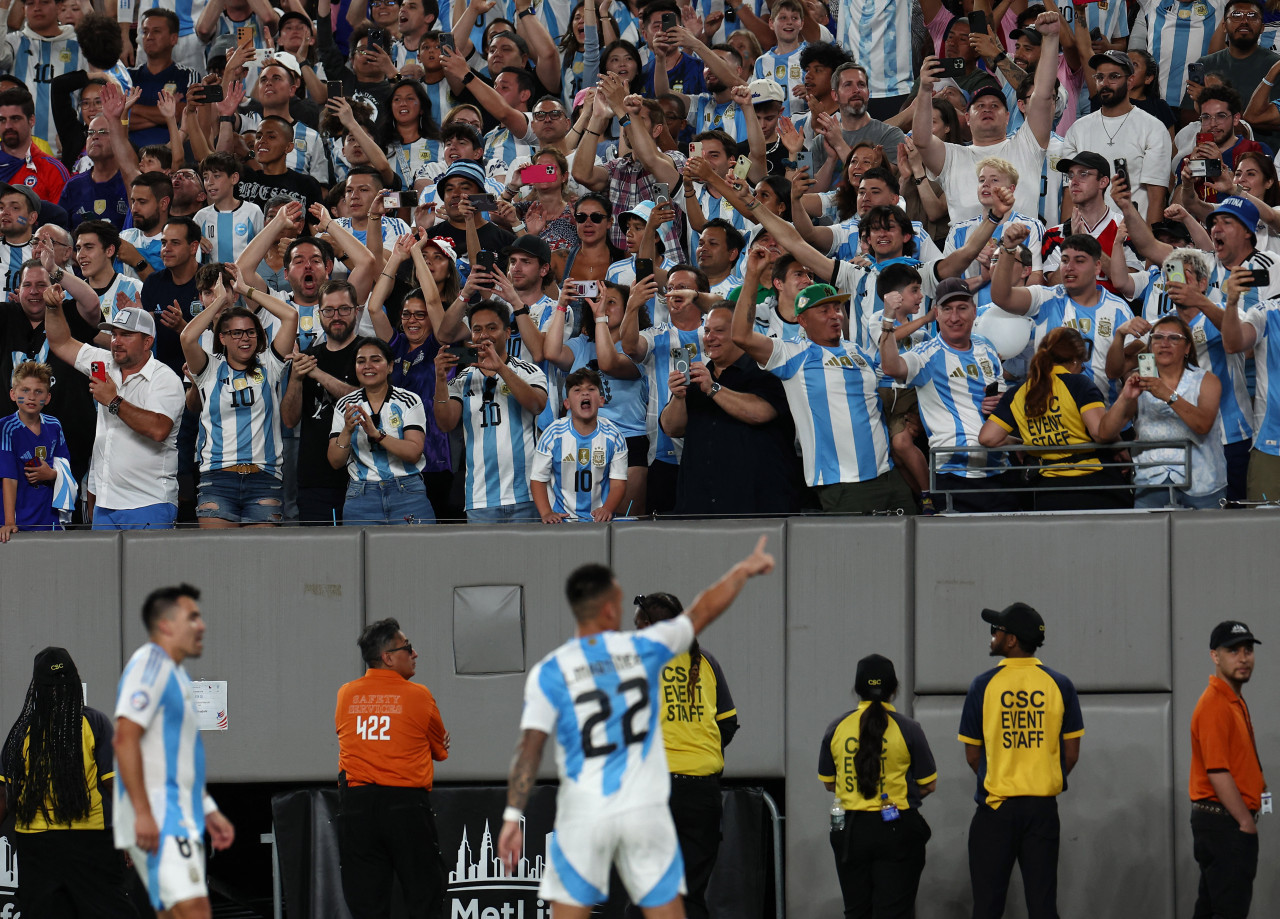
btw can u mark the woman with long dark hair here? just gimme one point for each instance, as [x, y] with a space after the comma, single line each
[698, 721]
[407, 131]
[56, 763]
[595, 252]
[1058, 404]
[878, 835]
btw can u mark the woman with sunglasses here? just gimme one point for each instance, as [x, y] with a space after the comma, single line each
[591, 258]
[378, 434]
[1178, 403]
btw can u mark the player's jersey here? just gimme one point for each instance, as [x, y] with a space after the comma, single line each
[770, 324]
[879, 35]
[666, 344]
[11, 259]
[578, 467]
[502, 148]
[148, 247]
[120, 284]
[595, 696]
[36, 61]
[240, 416]
[1178, 33]
[392, 229]
[155, 693]
[1051, 308]
[834, 399]
[626, 402]
[784, 69]
[499, 435]
[407, 159]
[951, 385]
[230, 231]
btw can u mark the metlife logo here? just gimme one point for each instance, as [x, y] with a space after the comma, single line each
[479, 887]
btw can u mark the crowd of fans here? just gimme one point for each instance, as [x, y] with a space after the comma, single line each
[407, 261]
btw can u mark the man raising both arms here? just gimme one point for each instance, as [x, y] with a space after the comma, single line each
[595, 691]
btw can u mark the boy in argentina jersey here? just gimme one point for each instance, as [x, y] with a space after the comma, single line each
[1252, 330]
[596, 694]
[161, 807]
[580, 466]
[227, 222]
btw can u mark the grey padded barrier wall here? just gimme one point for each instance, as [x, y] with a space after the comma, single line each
[412, 575]
[59, 591]
[847, 596]
[283, 613]
[1100, 581]
[749, 641]
[1226, 567]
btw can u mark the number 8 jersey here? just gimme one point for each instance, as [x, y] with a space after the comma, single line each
[594, 694]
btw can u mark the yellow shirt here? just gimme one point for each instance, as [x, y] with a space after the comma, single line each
[691, 721]
[95, 747]
[906, 762]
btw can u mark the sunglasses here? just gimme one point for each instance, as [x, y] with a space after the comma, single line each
[594, 217]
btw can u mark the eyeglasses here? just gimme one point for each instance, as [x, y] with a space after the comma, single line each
[373, 3]
[547, 116]
[1081, 174]
[97, 132]
[1171, 337]
[407, 314]
[1216, 116]
[594, 217]
[407, 646]
[240, 334]
[329, 311]
[1239, 15]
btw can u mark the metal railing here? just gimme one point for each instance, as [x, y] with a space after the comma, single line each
[942, 454]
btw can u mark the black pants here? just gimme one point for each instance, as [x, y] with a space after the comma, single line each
[385, 832]
[321, 507]
[1024, 830]
[986, 502]
[879, 863]
[72, 874]
[1228, 861]
[660, 492]
[696, 808]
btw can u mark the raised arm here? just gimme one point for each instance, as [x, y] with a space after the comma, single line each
[56, 331]
[364, 267]
[196, 356]
[786, 235]
[256, 251]
[513, 120]
[932, 150]
[1011, 299]
[633, 343]
[286, 337]
[645, 148]
[386, 283]
[757, 346]
[1044, 92]
[114, 106]
[1237, 335]
[553, 349]
[542, 48]
[593, 119]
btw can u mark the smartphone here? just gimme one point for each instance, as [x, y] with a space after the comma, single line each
[486, 260]
[446, 41]
[1175, 276]
[952, 67]
[212, 93]
[378, 37]
[1122, 169]
[466, 355]
[669, 21]
[98, 371]
[394, 200]
[335, 89]
[661, 194]
[993, 388]
[1195, 72]
[244, 34]
[31, 464]
[695, 148]
[644, 269]
[741, 167]
[1095, 33]
[978, 21]
[538, 175]
[484, 202]
[1146, 365]
[682, 366]
[804, 160]
[1206, 169]
[589, 289]
[1261, 277]
[1204, 137]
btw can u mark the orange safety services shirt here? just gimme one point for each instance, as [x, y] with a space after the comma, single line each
[389, 731]
[1222, 739]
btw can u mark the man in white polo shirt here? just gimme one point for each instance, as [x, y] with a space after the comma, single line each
[134, 472]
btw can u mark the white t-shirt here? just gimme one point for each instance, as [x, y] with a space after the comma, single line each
[959, 176]
[1137, 137]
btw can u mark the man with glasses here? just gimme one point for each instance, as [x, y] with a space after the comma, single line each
[1243, 63]
[99, 193]
[189, 196]
[390, 734]
[1220, 110]
[1021, 727]
[551, 126]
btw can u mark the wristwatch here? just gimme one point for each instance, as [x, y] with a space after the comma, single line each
[1172, 399]
[991, 215]
[114, 405]
[140, 264]
[523, 311]
[715, 388]
[55, 276]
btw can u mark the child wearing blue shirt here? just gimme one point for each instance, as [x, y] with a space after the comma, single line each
[29, 443]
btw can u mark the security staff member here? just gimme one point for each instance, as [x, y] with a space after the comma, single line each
[1226, 779]
[1021, 726]
[879, 764]
[56, 781]
[389, 732]
[698, 721]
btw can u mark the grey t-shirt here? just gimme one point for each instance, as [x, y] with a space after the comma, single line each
[1243, 74]
[875, 132]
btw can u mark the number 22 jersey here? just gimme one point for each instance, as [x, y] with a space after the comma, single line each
[594, 695]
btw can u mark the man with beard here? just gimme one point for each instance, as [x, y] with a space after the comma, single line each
[1219, 108]
[44, 49]
[322, 374]
[19, 209]
[100, 193]
[714, 109]
[1121, 130]
[852, 123]
[1243, 62]
[21, 162]
[149, 197]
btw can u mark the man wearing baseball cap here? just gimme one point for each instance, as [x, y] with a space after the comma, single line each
[1088, 178]
[1227, 786]
[140, 399]
[461, 179]
[1021, 727]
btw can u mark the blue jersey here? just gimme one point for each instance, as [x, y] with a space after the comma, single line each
[834, 397]
[784, 69]
[120, 284]
[667, 344]
[148, 246]
[1051, 308]
[392, 229]
[1178, 34]
[878, 34]
[951, 385]
[36, 61]
[407, 159]
[626, 402]
[240, 414]
[502, 148]
[705, 114]
[1110, 16]
[1265, 320]
[11, 259]
[84, 199]
[442, 101]
[597, 696]
[19, 445]
[578, 468]
[230, 232]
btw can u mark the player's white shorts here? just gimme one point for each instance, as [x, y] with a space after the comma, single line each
[175, 873]
[641, 843]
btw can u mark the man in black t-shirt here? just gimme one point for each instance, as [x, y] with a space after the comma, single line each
[461, 179]
[273, 176]
[171, 292]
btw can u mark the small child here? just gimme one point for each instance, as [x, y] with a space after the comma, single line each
[31, 445]
[227, 222]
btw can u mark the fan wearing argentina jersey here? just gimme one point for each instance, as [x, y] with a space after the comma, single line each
[719, 246]
[365, 205]
[162, 808]
[997, 189]
[240, 385]
[41, 51]
[228, 223]
[1252, 330]
[716, 109]
[878, 35]
[1079, 302]
[277, 85]
[96, 244]
[149, 196]
[776, 316]
[706, 202]
[951, 374]
[1176, 33]
[410, 135]
[580, 464]
[523, 288]
[497, 400]
[878, 187]
[782, 61]
[19, 215]
[597, 694]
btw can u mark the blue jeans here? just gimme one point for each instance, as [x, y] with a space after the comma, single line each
[526, 512]
[254, 498]
[397, 502]
[151, 517]
[1159, 497]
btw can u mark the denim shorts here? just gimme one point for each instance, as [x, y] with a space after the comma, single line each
[396, 502]
[257, 497]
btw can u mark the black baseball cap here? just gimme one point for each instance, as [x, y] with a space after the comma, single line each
[1231, 633]
[1119, 58]
[875, 678]
[1172, 228]
[294, 14]
[1089, 160]
[532, 245]
[1030, 33]
[1020, 620]
[54, 666]
[989, 90]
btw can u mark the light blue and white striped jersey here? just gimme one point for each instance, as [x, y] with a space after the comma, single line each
[770, 324]
[230, 231]
[499, 435]
[722, 288]
[1265, 318]
[121, 283]
[188, 12]
[148, 247]
[626, 402]
[402, 411]
[628, 27]
[666, 344]
[715, 208]
[11, 259]
[727, 26]
[623, 272]
[878, 34]
[1178, 34]
[240, 415]
[541, 312]
[442, 100]
[401, 55]
[960, 231]
[1234, 408]
[407, 159]
[392, 229]
[834, 399]
[310, 331]
[1111, 16]
[705, 114]
[845, 239]
[785, 69]
[155, 693]
[865, 302]
[557, 16]
[1051, 308]
[1252, 296]
[951, 385]
[432, 171]
[502, 148]
[578, 467]
[597, 696]
[36, 61]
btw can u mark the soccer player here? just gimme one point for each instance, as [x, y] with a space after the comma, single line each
[582, 456]
[594, 693]
[160, 761]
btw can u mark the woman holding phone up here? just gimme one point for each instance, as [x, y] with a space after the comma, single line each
[548, 213]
